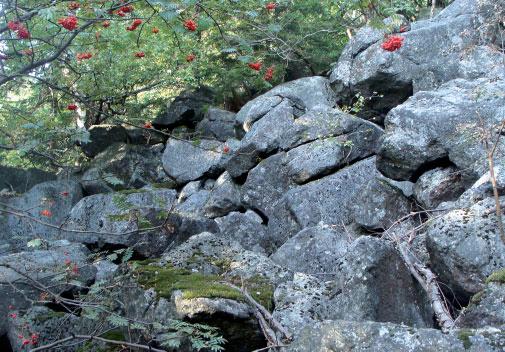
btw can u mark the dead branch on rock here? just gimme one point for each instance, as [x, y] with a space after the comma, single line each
[269, 325]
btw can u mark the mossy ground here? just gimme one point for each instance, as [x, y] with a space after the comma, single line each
[167, 279]
[497, 276]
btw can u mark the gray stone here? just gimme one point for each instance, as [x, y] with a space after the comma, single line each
[123, 166]
[247, 229]
[465, 247]
[343, 336]
[223, 198]
[101, 137]
[191, 308]
[306, 93]
[48, 203]
[187, 161]
[122, 219]
[329, 200]
[380, 205]
[415, 137]
[439, 185]
[212, 254]
[314, 250]
[43, 266]
[105, 269]
[373, 283]
[186, 109]
[218, 124]
[144, 136]
[21, 180]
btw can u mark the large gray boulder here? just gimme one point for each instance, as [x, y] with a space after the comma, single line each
[21, 180]
[443, 124]
[304, 93]
[373, 283]
[46, 203]
[344, 336]
[186, 109]
[218, 124]
[187, 161]
[451, 45]
[208, 253]
[123, 166]
[247, 229]
[314, 250]
[17, 291]
[465, 247]
[224, 197]
[329, 200]
[101, 137]
[144, 220]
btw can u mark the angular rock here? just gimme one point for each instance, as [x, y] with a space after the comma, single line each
[306, 93]
[21, 180]
[439, 185]
[329, 200]
[433, 52]
[314, 250]
[301, 302]
[380, 205]
[247, 229]
[47, 203]
[186, 109]
[465, 248]
[137, 135]
[101, 137]
[223, 198]
[340, 336]
[187, 161]
[43, 266]
[487, 307]
[191, 308]
[218, 124]
[124, 166]
[211, 254]
[121, 219]
[373, 283]
[415, 137]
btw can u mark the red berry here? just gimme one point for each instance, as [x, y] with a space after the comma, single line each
[190, 57]
[14, 25]
[105, 24]
[155, 30]
[23, 33]
[269, 73]
[71, 107]
[25, 342]
[190, 25]
[148, 125]
[226, 149]
[126, 9]
[140, 54]
[65, 194]
[137, 22]
[120, 13]
[13, 315]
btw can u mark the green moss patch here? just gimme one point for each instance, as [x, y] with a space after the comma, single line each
[464, 335]
[497, 276]
[167, 279]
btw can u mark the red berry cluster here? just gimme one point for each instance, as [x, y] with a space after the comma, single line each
[21, 31]
[73, 6]
[71, 267]
[155, 30]
[84, 56]
[71, 107]
[33, 339]
[271, 6]
[127, 9]
[137, 22]
[190, 25]
[148, 125]
[269, 73]
[69, 23]
[47, 213]
[140, 54]
[393, 43]
[190, 57]
[256, 66]
[105, 24]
